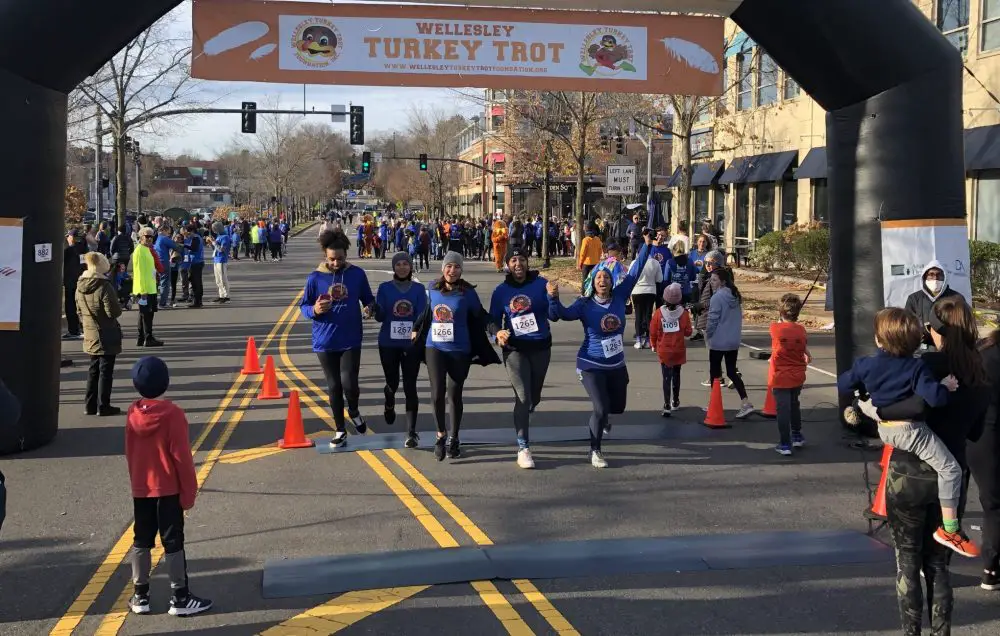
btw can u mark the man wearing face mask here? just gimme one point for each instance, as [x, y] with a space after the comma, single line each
[933, 288]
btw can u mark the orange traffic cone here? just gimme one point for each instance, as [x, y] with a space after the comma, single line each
[295, 435]
[715, 418]
[878, 503]
[269, 386]
[770, 406]
[251, 361]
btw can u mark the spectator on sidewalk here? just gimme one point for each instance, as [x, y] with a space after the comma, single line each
[97, 302]
[73, 253]
[121, 246]
[145, 267]
[194, 249]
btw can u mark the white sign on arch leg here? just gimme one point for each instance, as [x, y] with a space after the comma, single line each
[907, 247]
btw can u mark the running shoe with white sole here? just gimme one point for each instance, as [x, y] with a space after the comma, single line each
[783, 449]
[957, 541]
[798, 441]
[358, 423]
[707, 383]
[189, 605]
[597, 459]
[638, 343]
[744, 411]
[524, 459]
[339, 440]
[666, 411]
[990, 581]
[412, 441]
[139, 603]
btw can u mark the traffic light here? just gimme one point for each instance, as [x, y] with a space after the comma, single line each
[423, 162]
[249, 123]
[357, 125]
[619, 145]
[605, 142]
[366, 162]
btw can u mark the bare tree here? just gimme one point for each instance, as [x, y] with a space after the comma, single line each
[150, 75]
[436, 132]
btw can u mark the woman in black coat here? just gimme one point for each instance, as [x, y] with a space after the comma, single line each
[984, 463]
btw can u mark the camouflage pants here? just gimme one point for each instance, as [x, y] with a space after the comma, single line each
[914, 514]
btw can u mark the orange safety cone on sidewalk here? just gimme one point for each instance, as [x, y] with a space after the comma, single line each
[295, 435]
[770, 405]
[878, 502]
[251, 361]
[716, 417]
[269, 386]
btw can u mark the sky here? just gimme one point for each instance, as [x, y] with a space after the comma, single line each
[386, 108]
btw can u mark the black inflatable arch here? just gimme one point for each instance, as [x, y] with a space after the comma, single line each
[889, 80]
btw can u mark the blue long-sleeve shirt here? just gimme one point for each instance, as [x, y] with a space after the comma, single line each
[163, 245]
[664, 257]
[523, 309]
[449, 329]
[397, 310]
[603, 323]
[340, 328]
[889, 379]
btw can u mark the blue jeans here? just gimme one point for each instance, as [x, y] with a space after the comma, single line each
[163, 287]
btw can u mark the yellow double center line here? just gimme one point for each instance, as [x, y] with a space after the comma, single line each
[120, 551]
[488, 592]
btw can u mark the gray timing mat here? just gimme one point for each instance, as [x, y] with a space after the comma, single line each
[286, 578]
[669, 430]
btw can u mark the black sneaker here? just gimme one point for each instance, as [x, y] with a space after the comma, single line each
[339, 440]
[412, 440]
[109, 411]
[390, 406]
[358, 423]
[454, 449]
[439, 448]
[676, 404]
[990, 581]
[139, 603]
[153, 342]
[188, 605]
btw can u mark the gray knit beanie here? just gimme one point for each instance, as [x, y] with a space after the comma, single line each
[452, 257]
[399, 257]
[716, 257]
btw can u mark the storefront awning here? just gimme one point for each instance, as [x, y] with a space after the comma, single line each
[770, 167]
[675, 179]
[736, 172]
[497, 157]
[706, 173]
[982, 148]
[813, 166]
[496, 111]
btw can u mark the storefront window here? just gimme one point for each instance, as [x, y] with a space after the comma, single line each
[821, 202]
[700, 206]
[742, 211]
[988, 206]
[789, 203]
[764, 209]
[719, 210]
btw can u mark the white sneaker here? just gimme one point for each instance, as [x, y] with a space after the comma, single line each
[524, 459]
[638, 343]
[339, 440]
[666, 411]
[706, 383]
[597, 459]
[744, 411]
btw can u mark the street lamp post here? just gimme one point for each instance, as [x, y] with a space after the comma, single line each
[546, 263]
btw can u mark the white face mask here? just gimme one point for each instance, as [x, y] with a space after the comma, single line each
[934, 285]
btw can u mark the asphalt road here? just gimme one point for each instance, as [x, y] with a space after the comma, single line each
[69, 509]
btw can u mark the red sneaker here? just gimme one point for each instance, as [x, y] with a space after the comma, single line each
[957, 541]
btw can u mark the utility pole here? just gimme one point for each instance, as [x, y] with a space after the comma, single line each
[98, 203]
[546, 263]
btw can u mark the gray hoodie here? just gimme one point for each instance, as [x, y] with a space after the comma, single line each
[725, 321]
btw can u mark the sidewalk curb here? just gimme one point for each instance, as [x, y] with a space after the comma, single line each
[301, 229]
[778, 278]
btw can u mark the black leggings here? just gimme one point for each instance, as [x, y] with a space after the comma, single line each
[396, 358]
[455, 368]
[341, 369]
[608, 391]
[643, 306]
[715, 358]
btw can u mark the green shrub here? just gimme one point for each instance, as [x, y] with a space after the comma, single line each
[768, 251]
[984, 263]
[811, 249]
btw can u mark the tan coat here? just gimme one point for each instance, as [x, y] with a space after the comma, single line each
[99, 309]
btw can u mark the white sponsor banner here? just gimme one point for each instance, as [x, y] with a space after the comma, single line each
[405, 45]
[907, 248]
[11, 238]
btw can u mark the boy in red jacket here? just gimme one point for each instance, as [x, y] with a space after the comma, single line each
[163, 486]
[668, 330]
[789, 359]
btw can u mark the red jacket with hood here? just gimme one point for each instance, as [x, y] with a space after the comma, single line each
[668, 331]
[158, 451]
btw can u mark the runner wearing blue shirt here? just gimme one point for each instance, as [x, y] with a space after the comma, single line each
[601, 359]
[398, 302]
[332, 300]
[664, 256]
[519, 307]
[222, 244]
